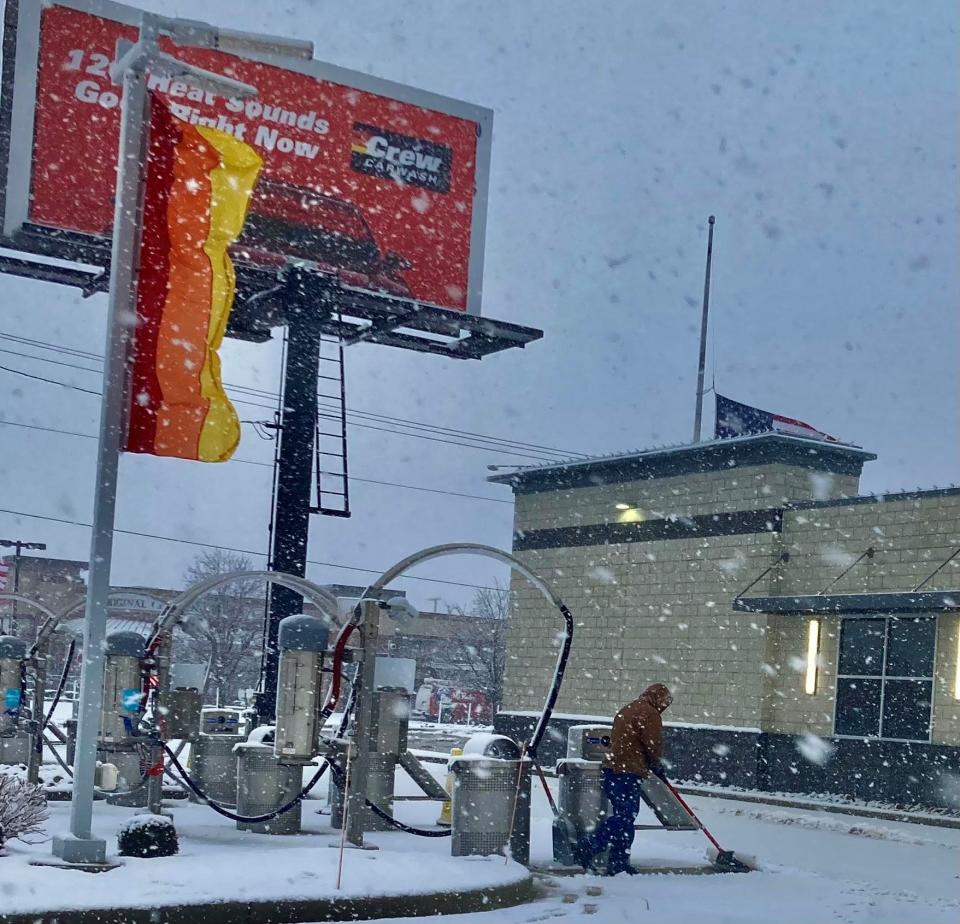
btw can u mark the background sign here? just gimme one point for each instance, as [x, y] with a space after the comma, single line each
[383, 184]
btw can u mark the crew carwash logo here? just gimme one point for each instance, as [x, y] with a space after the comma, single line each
[401, 158]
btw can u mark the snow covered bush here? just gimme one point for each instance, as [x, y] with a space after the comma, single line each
[23, 808]
[148, 836]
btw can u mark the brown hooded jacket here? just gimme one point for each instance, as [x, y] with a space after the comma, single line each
[636, 742]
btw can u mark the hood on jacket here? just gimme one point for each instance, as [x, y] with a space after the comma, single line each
[658, 695]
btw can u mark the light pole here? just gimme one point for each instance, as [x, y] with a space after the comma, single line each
[18, 545]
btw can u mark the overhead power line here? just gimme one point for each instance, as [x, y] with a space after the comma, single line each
[365, 426]
[407, 423]
[391, 484]
[228, 548]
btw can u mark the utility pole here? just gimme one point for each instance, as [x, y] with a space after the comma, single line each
[18, 545]
[698, 417]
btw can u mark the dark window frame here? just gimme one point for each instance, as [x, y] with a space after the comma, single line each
[883, 676]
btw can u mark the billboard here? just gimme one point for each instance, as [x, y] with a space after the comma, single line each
[379, 183]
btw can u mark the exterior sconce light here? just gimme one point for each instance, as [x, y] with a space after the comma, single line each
[813, 649]
[956, 677]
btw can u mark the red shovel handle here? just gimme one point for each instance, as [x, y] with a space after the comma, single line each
[689, 811]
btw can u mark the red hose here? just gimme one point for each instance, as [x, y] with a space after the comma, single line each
[333, 695]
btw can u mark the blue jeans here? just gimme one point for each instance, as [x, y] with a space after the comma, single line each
[616, 831]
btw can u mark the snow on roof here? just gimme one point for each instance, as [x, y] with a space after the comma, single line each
[711, 445]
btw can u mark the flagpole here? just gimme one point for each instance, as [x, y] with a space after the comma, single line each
[81, 846]
[698, 417]
[129, 70]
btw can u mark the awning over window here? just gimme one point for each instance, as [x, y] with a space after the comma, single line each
[810, 604]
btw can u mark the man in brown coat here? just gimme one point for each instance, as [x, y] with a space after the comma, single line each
[636, 751]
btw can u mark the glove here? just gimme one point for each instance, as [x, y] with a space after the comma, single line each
[659, 771]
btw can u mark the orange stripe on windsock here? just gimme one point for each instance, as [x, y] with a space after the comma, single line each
[199, 194]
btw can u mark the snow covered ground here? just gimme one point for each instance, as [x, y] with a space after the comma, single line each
[816, 867]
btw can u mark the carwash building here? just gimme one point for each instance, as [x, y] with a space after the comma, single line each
[811, 634]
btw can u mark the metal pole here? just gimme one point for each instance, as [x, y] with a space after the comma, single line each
[356, 795]
[81, 846]
[308, 304]
[18, 545]
[703, 335]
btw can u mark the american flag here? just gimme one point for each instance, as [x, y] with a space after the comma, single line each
[736, 419]
[4, 574]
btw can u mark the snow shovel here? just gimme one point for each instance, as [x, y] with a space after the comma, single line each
[724, 861]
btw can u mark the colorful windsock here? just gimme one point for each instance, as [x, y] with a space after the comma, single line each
[198, 186]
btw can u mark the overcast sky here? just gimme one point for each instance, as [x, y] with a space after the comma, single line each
[824, 138]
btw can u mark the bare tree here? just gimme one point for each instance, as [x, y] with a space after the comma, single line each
[225, 626]
[480, 647]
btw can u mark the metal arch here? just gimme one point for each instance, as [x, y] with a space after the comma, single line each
[457, 548]
[49, 625]
[174, 611]
[488, 551]
[36, 604]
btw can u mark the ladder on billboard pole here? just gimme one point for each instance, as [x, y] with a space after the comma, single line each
[330, 446]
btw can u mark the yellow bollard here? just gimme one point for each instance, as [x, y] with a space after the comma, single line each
[446, 819]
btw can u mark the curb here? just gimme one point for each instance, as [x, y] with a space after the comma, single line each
[281, 911]
[837, 808]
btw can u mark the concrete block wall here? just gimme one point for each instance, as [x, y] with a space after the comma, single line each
[946, 682]
[646, 612]
[787, 708]
[748, 488]
[911, 536]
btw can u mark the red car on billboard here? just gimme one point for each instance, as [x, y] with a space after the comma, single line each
[289, 221]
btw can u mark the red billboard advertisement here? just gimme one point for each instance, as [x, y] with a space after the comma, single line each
[382, 184]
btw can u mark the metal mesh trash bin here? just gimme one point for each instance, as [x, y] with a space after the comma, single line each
[484, 791]
[264, 785]
[582, 800]
[214, 767]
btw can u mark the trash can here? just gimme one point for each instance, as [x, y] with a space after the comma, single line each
[263, 785]
[582, 805]
[487, 804]
[214, 767]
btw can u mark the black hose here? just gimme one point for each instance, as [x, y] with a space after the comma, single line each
[60, 686]
[545, 716]
[338, 776]
[233, 816]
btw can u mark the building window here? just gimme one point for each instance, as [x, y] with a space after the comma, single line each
[885, 677]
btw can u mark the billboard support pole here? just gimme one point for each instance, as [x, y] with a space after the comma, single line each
[308, 302]
[81, 846]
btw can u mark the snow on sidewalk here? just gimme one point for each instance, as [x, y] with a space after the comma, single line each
[218, 863]
[815, 869]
